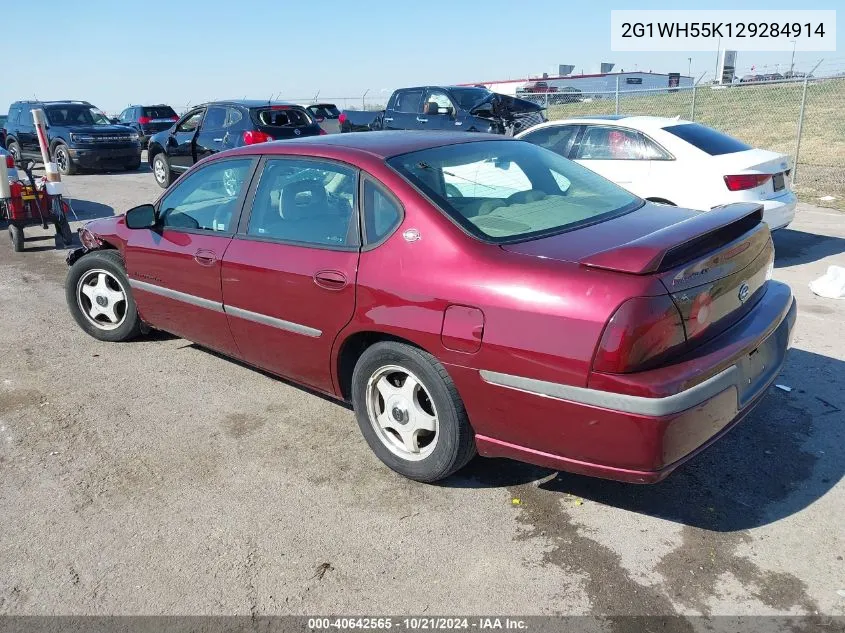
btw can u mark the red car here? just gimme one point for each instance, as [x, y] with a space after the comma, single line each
[467, 293]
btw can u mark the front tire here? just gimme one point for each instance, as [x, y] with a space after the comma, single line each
[161, 170]
[15, 150]
[100, 299]
[61, 156]
[16, 237]
[410, 413]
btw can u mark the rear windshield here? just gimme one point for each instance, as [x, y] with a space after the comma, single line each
[707, 139]
[508, 191]
[281, 116]
[325, 111]
[159, 112]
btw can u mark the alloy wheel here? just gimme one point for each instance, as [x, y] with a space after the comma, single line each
[102, 299]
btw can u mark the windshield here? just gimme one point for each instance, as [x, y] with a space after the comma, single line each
[506, 191]
[75, 115]
[469, 97]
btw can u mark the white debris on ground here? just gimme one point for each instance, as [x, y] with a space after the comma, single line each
[830, 285]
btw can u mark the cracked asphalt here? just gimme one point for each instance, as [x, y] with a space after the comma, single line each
[155, 477]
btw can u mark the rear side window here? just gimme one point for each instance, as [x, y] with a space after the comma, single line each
[607, 143]
[408, 101]
[558, 138]
[281, 116]
[381, 213]
[159, 112]
[707, 139]
[324, 111]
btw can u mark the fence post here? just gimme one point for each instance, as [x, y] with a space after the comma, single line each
[692, 108]
[617, 94]
[800, 130]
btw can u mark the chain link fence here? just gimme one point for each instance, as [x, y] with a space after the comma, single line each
[801, 118]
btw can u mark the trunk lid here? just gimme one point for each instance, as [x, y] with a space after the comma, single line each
[713, 264]
[756, 161]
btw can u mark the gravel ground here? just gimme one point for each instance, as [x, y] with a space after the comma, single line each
[157, 478]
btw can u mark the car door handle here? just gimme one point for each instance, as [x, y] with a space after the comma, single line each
[388, 118]
[422, 120]
[218, 140]
[330, 279]
[205, 257]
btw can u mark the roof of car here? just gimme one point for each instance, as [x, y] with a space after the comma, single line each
[383, 144]
[249, 103]
[634, 121]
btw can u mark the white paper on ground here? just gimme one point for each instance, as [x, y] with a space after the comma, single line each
[830, 285]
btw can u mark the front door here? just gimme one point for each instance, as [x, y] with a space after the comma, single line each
[181, 148]
[289, 275]
[438, 112]
[404, 110]
[174, 269]
[212, 131]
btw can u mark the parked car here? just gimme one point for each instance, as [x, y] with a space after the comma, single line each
[213, 127]
[79, 136]
[537, 312]
[675, 162]
[327, 115]
[147, 120]
[7, 158]
[468, 109]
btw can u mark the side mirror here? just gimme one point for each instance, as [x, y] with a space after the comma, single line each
[142, 217]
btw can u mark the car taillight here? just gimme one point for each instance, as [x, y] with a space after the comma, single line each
[746, 181]
[144, 120]
[10, 161]
[341, 117]
[174, 118]
[251, 137]
[640, 332]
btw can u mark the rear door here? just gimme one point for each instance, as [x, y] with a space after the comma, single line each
[174, 269]
[615, 153]
[289, 275]
[404, 109]
[181, 147]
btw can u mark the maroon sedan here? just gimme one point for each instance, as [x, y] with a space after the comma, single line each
[467, 293]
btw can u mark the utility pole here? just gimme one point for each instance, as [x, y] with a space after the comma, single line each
[689, 67]
[792, 63]
[718, 48]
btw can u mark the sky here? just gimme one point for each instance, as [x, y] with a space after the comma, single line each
[117, 53]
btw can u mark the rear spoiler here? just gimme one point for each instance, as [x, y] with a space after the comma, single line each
[681, 242]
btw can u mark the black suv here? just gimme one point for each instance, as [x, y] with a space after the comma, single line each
[147, 120]
[214, 127]
[80, 136]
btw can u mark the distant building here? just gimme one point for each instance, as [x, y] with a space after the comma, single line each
[589, 85]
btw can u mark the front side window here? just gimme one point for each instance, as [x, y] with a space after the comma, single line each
[191, 123]
[438, 102]
[126, 115]
[506, 191]
[306, 201]
[206, 200]
[609, 143]
[558, 138]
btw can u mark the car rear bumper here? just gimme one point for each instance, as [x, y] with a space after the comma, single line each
[105, 158]
[634, 438]
[779, 212]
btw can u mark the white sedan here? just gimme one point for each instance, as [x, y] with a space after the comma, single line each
[674, 162]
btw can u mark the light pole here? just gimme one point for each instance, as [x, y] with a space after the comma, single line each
[792, 63]
[689, 66]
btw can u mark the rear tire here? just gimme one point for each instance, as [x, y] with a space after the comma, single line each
[395, 425]
[161, 170]
[100, 299]
[16, 237]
